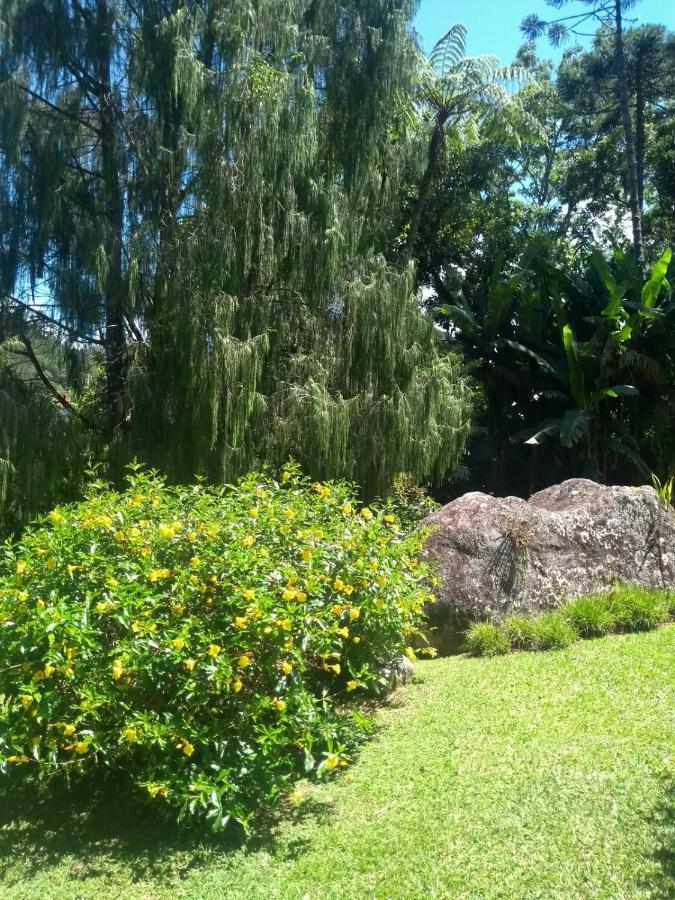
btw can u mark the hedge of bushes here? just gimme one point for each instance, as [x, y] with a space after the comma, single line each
[212, 642]
[622, 609]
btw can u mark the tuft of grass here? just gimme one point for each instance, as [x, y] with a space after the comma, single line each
[522, 633]
[486, 639]
[625, 608]
[639, 609]
[553, 632]
[523, 776]
[590, 616]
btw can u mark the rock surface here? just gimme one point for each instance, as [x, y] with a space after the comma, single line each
[501, 555]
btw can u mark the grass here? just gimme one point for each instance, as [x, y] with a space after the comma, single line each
[547, 775]
[623, 608]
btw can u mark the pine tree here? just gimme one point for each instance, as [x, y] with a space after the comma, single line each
[200, 192]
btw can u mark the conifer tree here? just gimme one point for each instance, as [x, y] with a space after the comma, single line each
[199, 192]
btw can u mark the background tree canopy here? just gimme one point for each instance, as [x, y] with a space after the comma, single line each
[195, 200]
[234, 233]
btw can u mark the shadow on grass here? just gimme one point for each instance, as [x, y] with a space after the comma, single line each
[101, 826]
[662, 885]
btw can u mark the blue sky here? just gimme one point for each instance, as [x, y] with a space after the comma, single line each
[493, 25]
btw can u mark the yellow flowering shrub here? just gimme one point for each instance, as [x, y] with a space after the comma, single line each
[213, 643]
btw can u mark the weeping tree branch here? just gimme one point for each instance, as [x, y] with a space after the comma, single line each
[60, 398]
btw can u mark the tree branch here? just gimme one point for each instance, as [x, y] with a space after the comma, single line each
[61, 399]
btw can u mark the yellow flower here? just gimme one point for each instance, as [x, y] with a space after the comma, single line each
[55, 516]
[337, 608]
[306, 553]
[49, 670]
[17, 759]
[279, 705]
[365, 513]
[158, 574]
[145, 552]
[189, 664]
[288, 594]
[117, 669]
[166, 531]
[191, 536]
[237, 685]
[178, 643]
[338, 584]
[249, 594]
[157, 790]
[286, 476]
[51, 564]
[253, 512]
[119, 536]
[352, 685]
[130, 734]
[379, 603]
[288, 643]
[26, 700]
[187, 748]
[285, 624]
[356, 640]
[332, 761]
[178, 609]
[286, 668]
[214, 650]
[20, 567]
[240, 621]
[81, 747]
[335, 668]
[348, 589]
[300, 596]
[244, 661]
[69, 730]
[389, 518]
[22, 596]
[354, 613]
[248, 541]
[347, 509]
[71, 652]
[194, 561]
[40, 604]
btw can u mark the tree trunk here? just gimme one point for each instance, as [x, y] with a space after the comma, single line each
[631, 162]
[436, 145]
[640, 137]
[115, 344]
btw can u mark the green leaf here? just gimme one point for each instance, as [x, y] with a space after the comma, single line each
[574, 426]
[574, 368]
[657, 277]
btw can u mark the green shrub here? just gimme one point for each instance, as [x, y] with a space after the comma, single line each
[486, 639]
[210, 642]
[522, 633]
[409, 502]
[590, 616]
[553, 632]
[638, 609]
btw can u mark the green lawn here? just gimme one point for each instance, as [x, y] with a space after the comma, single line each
[534, 775]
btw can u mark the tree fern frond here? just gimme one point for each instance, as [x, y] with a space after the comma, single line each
[449, 50]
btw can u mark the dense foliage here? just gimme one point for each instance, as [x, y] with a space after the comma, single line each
[210, 642]
[199, 196]
[224, 238]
